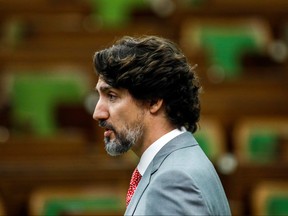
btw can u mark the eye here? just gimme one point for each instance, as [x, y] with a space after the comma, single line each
[112, 97]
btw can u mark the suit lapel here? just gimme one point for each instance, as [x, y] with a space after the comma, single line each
[184, 140]
[139, 191]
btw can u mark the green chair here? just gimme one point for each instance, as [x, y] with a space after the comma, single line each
[34, 97]
[270, 199]
[258, 140]
[77, 201]
[262, 145]
[82, 206]
[225, 42]
[116, 13]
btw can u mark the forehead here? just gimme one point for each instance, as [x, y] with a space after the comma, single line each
[104, 87]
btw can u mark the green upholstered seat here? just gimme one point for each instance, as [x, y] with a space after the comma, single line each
[78, 200]
[70, 206]
[224, 42]
[262, 145]
[34, 97]
[277, 205]
[225, 47]
[116, 13]
[261, 140]
[270, 198]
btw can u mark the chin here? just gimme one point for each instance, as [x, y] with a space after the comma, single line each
[114, 148]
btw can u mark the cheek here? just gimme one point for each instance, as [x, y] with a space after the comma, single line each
[125, 120]
[118, 120]
[125, 115]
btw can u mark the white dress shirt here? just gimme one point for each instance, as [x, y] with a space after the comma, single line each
[153, 149]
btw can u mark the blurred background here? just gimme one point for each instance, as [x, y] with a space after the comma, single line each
[52, 160]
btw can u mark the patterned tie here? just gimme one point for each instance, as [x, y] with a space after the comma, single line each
[136, 177]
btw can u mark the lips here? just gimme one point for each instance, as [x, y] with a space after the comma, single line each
[107, 133]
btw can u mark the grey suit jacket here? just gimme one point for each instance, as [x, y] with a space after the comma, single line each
[180, 180]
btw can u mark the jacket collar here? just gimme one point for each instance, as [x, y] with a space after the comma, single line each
[183, 140]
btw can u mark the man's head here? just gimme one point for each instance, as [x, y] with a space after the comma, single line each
[152, 69]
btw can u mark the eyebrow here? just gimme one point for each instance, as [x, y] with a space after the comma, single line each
[104, 88]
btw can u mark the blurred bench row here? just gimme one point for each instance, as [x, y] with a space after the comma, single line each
[267, 198]
[255, 141]
[256, 152]
[48, 103]
[225, 48]
[73, 200]
[67, 165]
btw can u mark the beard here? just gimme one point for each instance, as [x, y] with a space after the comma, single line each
[124, 139]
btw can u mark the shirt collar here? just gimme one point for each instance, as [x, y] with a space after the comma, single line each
[155, 147]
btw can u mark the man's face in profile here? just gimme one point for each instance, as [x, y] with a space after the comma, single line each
[121, 117]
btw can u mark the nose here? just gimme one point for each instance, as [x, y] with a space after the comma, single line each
[100, 111]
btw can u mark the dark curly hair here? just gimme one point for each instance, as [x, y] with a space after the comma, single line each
[153, 68]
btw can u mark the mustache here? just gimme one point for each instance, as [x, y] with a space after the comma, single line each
[105, 124]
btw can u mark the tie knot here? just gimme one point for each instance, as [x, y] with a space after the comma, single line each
[135, 179]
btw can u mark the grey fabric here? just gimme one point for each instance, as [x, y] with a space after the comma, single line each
[179, 181]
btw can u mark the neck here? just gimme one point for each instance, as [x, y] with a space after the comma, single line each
[151, 134]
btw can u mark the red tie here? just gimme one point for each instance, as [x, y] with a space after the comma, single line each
[136, 177]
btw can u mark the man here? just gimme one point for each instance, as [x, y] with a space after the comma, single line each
[149, 102]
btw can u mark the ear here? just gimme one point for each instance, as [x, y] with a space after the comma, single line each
[155, 106]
